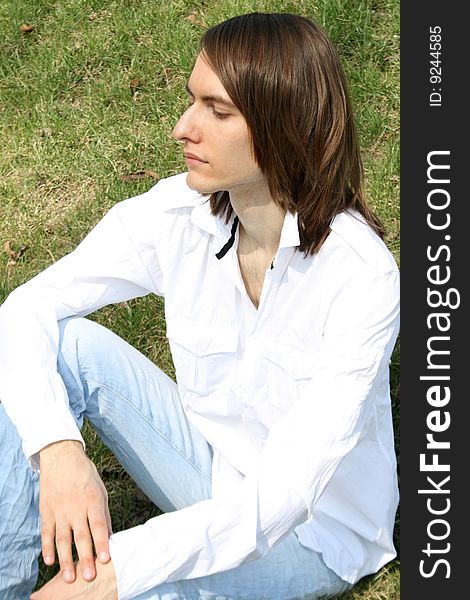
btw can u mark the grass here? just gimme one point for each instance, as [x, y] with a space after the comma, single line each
[88, 99]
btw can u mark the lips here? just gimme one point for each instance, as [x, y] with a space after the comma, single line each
[191, 156]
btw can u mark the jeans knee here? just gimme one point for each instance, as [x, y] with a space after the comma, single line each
[78, 338]
[83, 356]
[72, 333]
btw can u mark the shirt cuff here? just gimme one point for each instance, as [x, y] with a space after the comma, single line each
[130, 577]
[32, 448]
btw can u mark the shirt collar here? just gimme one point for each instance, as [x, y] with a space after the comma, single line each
[202, 217]
[290, 235]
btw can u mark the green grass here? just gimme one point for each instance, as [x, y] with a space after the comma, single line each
[73, 125]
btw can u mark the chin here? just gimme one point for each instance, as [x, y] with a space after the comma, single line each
[199, 185]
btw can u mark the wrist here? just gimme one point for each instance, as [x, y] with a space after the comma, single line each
[61, 447]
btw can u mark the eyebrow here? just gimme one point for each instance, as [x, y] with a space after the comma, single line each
[212, 98]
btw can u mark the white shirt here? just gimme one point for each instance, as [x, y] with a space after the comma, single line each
[293, 397]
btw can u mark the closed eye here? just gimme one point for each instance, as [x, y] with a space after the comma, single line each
[219, 115]
[211, 100]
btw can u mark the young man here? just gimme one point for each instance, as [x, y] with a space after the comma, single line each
[272, 457]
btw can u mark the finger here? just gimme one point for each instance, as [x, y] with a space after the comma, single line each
[83, 543]
[48, 541]
[106, 512]
[63, 540]
[100, 530]
[108, 522]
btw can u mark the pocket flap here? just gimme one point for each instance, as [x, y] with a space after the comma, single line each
[202, 339]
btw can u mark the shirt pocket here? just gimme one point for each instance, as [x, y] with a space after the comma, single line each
[290, 370]
[204, 355]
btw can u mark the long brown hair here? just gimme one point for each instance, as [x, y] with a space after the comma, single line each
[284, 75]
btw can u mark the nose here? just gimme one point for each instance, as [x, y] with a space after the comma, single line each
[186, 128]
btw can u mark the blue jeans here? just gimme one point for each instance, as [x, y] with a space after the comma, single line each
[135, 408]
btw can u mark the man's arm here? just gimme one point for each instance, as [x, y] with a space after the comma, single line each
[303, 450]
[107, 267]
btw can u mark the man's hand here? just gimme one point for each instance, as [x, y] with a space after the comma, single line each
[102, 588]
[73, 504]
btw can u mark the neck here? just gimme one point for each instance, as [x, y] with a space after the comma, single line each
[261, 219]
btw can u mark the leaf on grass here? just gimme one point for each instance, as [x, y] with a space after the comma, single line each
[136, 175]
[134, 85]
[195, 19]
[102, 14]
[26, 28]
[13, 255]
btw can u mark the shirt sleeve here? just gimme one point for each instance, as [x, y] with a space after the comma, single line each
[301, 454]
[115, 262]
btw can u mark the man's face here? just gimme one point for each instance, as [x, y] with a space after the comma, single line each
[217, 144]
